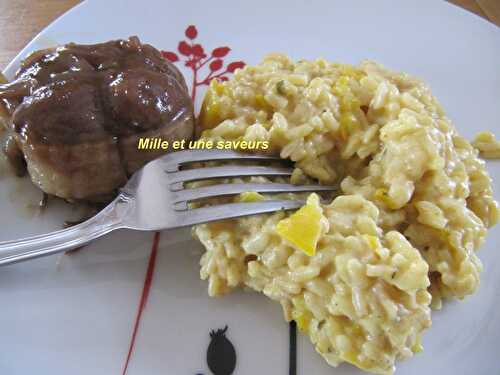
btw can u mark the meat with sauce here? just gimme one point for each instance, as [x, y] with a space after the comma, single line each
[76, 114]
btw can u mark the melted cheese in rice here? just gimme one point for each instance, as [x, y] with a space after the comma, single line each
[414, 206]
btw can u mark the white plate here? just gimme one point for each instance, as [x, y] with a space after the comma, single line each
[76, 316]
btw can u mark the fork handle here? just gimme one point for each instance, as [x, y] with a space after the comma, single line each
[109, 219]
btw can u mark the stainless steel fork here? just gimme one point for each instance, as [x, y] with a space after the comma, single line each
[155, 199]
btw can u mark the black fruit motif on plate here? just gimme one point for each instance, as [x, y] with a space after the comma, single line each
[221, 356]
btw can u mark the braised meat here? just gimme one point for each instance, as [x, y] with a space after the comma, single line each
[77, 112]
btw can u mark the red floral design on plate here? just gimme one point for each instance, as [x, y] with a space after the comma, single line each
[194, 57]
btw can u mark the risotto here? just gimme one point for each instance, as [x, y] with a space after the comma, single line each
[487, 144]
[359, 274]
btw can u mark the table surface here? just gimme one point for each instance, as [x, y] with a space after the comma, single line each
[35, 15]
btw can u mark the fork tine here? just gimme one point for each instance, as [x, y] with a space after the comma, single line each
[230, 189]
[226, 171]
[233, 210]
[191, 156]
